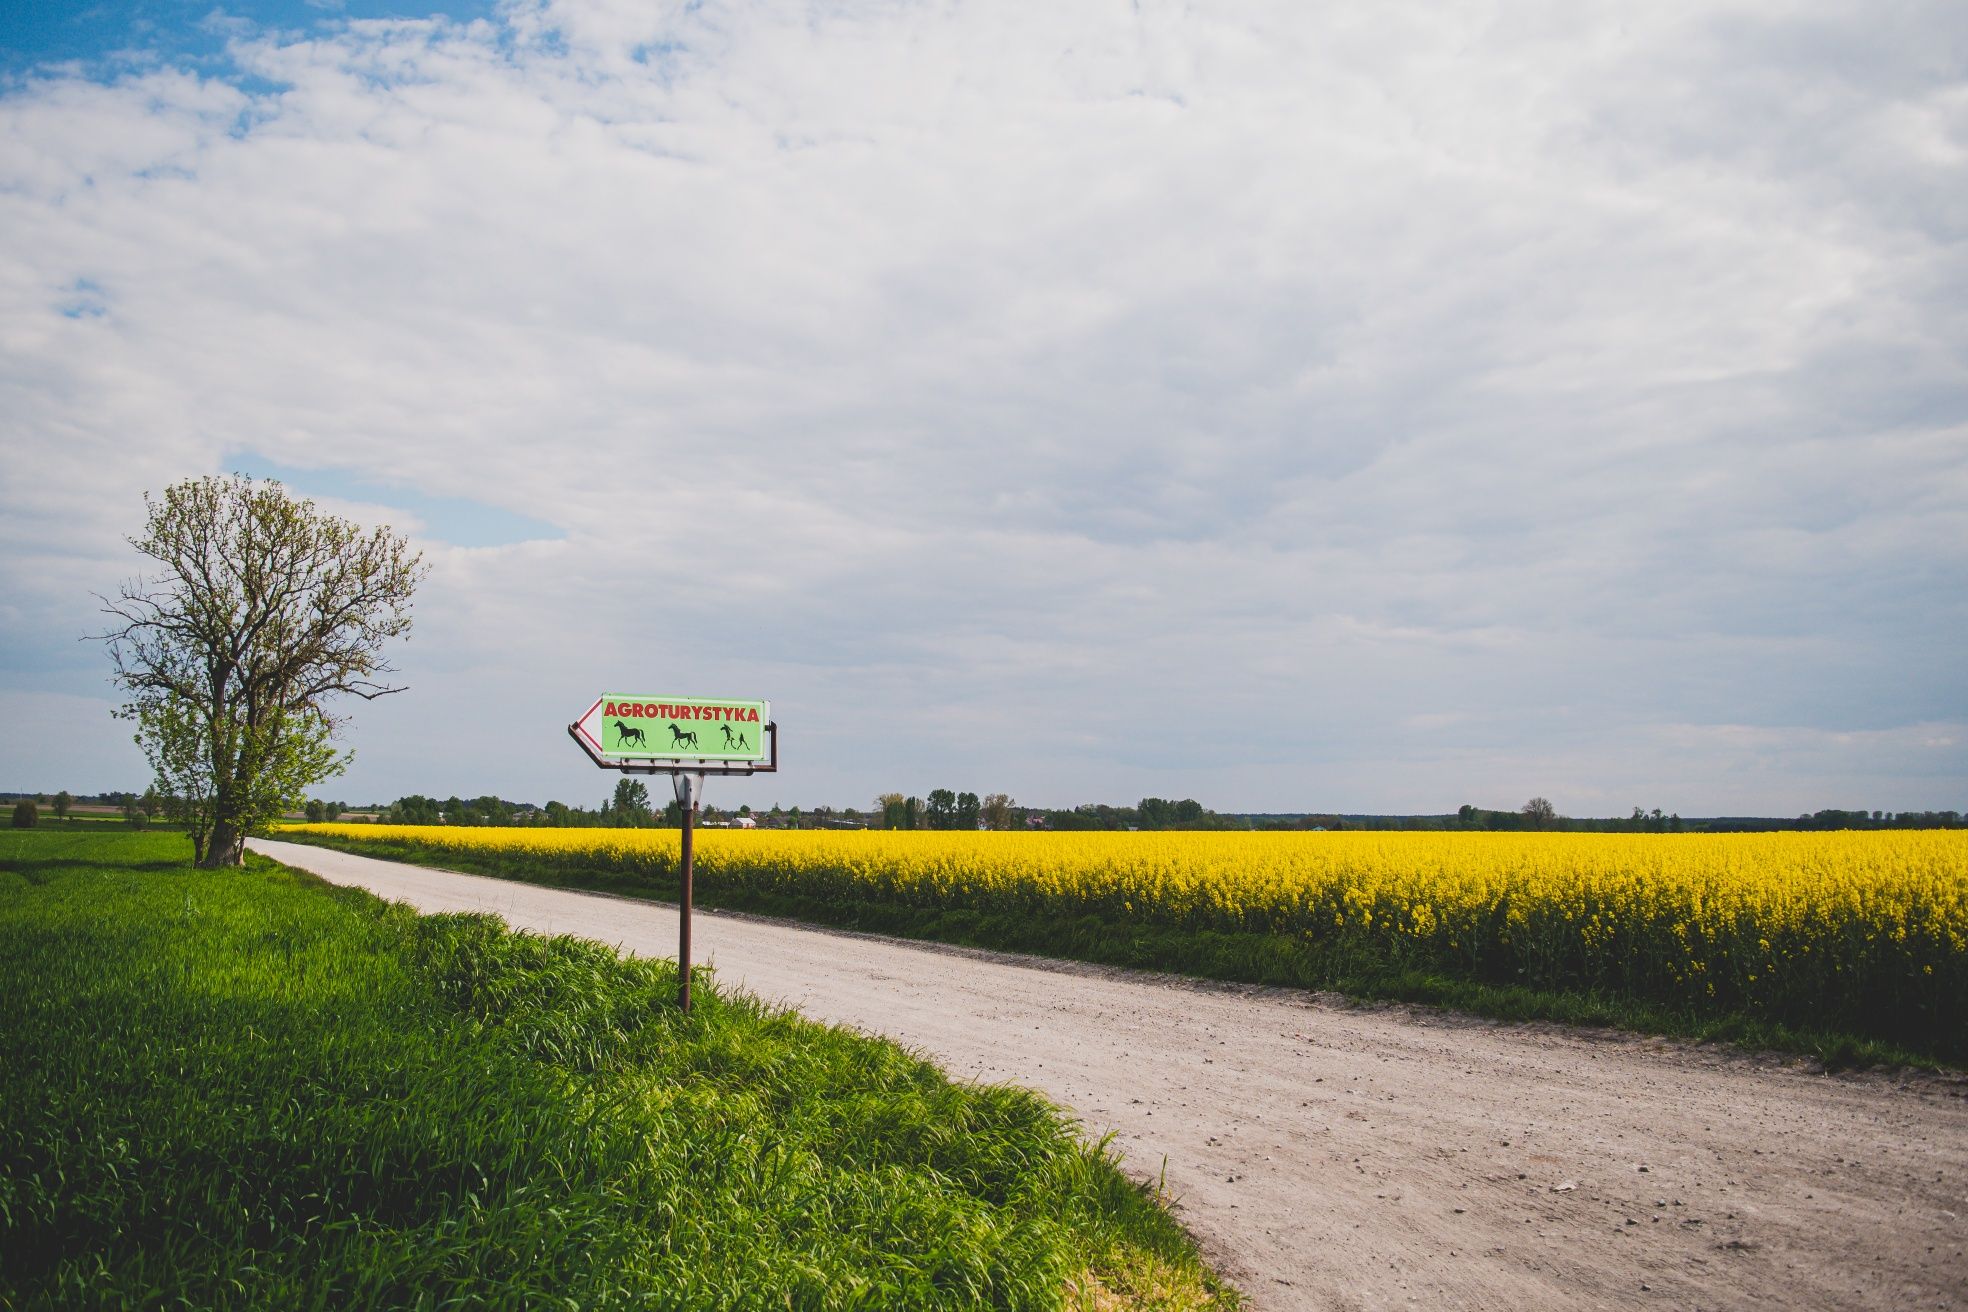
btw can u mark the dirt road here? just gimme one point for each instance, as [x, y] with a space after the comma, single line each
[1331, 1156]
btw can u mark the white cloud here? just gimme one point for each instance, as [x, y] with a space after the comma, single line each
[1346, 407]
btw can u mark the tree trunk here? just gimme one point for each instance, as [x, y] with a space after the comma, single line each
[226, 846]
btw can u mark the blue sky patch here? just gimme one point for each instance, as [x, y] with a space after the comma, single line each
[454, 520]
[83, 299]
[180, 31]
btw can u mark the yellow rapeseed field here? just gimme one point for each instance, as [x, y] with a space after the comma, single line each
[1837, 927]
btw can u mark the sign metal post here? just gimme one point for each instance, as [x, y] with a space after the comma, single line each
[686, 738]
[688, 790]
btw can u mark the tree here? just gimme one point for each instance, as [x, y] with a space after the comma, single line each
[264, 610]
[997, 810]
[631, 802]
[415, 809]
[25, 814]
[967, 808]
[150, 803]
[942, 810]
[1540, 813]
[894, 810]
[61, 804]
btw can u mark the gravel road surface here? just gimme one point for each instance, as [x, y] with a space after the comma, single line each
[1337, 1156]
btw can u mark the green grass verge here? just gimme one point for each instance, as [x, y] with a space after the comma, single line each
[247, 1089]
[1247, 958]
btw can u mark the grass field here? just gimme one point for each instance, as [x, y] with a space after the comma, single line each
[1851, 946]
[246, 1089]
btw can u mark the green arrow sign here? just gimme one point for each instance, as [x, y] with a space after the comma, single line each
[676, 728]
[621, 727]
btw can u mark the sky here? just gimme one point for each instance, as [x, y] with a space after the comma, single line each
[1364, 407]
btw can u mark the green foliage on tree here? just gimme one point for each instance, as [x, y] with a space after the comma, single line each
[26, 814]
[630, 805]
[61, 804]
[1162, 813]
[262, 611]
[416, 809]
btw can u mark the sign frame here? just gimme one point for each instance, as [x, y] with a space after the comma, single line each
[655, 762]
[701, 762]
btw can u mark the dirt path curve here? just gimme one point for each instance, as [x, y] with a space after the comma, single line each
[1330, 1156]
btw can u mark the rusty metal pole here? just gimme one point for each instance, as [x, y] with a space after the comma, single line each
[687, 803]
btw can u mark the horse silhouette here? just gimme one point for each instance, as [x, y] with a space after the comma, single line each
[678, 737]
[732, 739]
[626, 735]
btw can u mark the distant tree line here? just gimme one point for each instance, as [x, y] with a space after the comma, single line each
[630, 807]
[944, 809]
[1536, 814]
[138, 810]
[60, 802]
[1880, 820]
[1532, 816]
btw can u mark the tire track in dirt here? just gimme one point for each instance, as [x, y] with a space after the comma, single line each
[1336, 1156]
